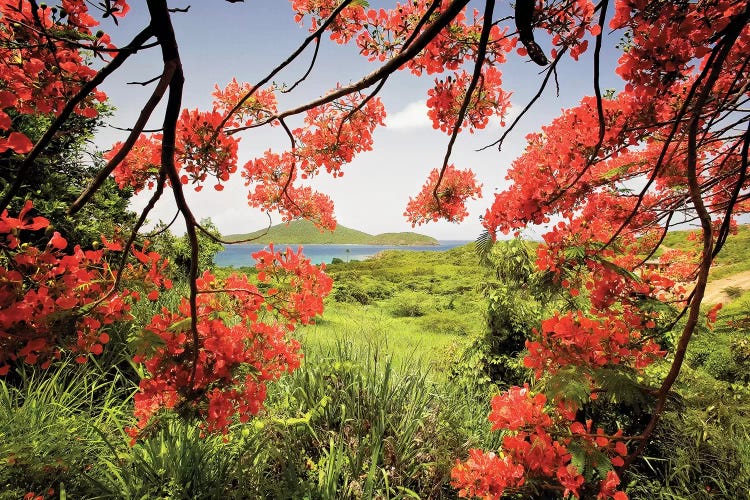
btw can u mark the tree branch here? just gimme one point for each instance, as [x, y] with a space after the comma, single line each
[54, 127]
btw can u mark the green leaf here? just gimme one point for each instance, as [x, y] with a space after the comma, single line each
[180, 326]
[146, 342]
[570, 383]
[575, 252]
[483, 246]
[621, 386]
[589, 460]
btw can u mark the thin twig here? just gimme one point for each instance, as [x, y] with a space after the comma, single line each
[529, 105]
[54, 127]
[166, 78]
[481, 53]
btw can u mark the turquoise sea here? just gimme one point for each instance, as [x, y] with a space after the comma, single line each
[240, 255]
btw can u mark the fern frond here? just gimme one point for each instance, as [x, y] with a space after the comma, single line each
[483, 246]
[571, 384]
[620, 386]
[589, 460]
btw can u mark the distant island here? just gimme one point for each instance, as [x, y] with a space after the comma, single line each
[302, 232]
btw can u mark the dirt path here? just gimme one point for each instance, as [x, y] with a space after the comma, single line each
[715, 289]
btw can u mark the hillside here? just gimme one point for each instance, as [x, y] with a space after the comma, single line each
[405, 239]
[730, 273]
[303, 232]
[733, 258]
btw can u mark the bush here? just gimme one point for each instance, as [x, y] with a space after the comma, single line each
[448, 323]
[362, 290]
[411, 305]
[725, 357]
[701, 447]
[733, 292]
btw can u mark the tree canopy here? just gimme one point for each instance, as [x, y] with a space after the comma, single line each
[614, 174]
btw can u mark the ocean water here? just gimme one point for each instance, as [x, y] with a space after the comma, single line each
[240, 255]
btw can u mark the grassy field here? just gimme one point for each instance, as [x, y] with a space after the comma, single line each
[418, 307]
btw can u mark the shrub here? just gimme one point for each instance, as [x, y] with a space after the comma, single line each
[724, 356]
[733, 292]
[411, 305]
[364, 290]
[448, 323]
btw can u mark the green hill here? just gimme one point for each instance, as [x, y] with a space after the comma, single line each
[401, 239]
[733, 258]
[302, 232]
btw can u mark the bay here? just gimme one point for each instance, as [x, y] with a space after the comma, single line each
[240, 255]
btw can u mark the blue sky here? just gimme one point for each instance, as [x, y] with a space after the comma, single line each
[220, 40]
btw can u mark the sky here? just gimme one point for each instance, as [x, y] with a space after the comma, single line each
[219, 41]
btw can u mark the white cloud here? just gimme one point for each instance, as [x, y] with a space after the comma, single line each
[414, 115]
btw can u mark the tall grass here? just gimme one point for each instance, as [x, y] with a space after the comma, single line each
[349, 424]
[54, 426]
[177, 461]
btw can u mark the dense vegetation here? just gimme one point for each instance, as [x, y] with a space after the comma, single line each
[607, 374]
[392, 391]
[305, 232]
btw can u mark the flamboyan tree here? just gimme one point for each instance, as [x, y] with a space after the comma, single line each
[615, 173]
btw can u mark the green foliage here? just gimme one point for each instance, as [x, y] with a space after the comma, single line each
[53, 428]
[177, 462]
[516, 297]
[305, 232]
[177, 249]
[355, 288]
[411, 305]
[448, 322]
[733, 292]
[701, 447]
[354, 427]
[60, 174]
[591, 462]
[483, 246]
[724, 356]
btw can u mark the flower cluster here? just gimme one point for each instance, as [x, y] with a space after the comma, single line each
[447, 97]
[444, 196]
[55, 298]
[535, 449]
[576, 340]
[219, 367]
[41, 65]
